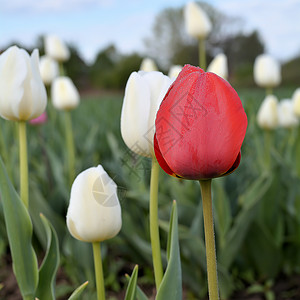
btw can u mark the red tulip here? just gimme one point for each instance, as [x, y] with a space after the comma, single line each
[200, 126]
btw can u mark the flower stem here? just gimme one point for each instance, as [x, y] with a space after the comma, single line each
[98, 271]
[70, 146]
[211, 259]
[268, 141]
[269, 91]
[154, 230]
[23, 163]
[61, 69]
[297, 152]
[202, 54]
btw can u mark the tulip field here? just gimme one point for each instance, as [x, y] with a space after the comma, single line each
[178, 186]
[255, 208]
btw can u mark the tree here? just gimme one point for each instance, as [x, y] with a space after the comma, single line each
[170, 44]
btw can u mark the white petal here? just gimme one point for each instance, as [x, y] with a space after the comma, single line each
[65, 95]
[13, 72]
[94, 212]
[135, 114]
[197, 22]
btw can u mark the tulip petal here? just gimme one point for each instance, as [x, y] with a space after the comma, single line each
[200, 125]
[13, 72]
[163, 164]
[234, 166]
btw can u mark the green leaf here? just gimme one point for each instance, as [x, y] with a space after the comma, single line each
[140, 294]
[75, 295]
[19, 231]
[238, 231]
[171, 285]
[131, 289]
[48, 269]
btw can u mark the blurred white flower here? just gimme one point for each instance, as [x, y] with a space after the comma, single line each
[287, 118]
[267, 71]
[64, 94]
[174, 71]
[23, 94]
[219, 66]
[143, 94]
[197, 22]
[94, 212]
[148, 65]
[49, 69]
[296, 102]
[56, 48]
[267, 116]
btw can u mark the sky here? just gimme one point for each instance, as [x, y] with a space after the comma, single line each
[91, 25]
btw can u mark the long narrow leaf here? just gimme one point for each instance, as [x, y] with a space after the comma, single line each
[47, 272]
[19, 232]
[75, 295]
[171, 285]
[131, 289]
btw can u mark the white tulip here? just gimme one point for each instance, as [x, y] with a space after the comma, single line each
[49, 69]
[22, 92]
[64, 94]
[267, 116]
[143, 94]
[267, 71]
[287, 118]
[219, 66]
[197, 22]
[296, 102]
[174, 71]
[56, 48]
[94, 212]
[148, 65]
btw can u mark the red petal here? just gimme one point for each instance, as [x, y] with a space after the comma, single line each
[200, 125]
[234, 166]
[163, 164]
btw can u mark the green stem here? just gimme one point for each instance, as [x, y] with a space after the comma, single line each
[211, 259]
[202, 54]
[154, 230]
[98, 271]
[297, 152]
[61, 69]
[70, 146]
[268, 141]
[23, 163]
[269, 91]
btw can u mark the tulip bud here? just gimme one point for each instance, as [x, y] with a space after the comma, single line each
[296, 102]
[23, 95]
[143, 94]
[219, 66]
[197, 22]
[174, 71]
[49, 69]
[94, 212]
[56, 48]
[267, 71]
[64, 93]
[148, 65]
[267, 116]
[287, 118]
[200, 126]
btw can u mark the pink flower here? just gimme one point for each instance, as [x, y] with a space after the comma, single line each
[39, 120]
